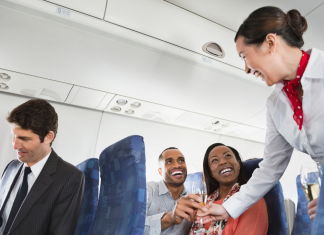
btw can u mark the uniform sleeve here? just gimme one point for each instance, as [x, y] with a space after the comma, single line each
[152, 222]
[253, 221]
[277, 154]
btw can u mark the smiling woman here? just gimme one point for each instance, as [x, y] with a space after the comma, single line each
[269, 41]
[224, 175]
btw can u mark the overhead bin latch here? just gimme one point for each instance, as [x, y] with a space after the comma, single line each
[212, 48]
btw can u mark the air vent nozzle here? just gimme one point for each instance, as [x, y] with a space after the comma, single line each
[214, 49]
[4, 86]
[4, 77]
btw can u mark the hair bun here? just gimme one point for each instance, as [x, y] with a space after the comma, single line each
[297, 22]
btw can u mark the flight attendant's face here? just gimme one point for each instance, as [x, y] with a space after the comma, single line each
[28, 145]
[259, 61]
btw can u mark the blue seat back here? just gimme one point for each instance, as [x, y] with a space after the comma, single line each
[191, 178]
[318, 224]
[90, 169]
[122, 201]
[275, 201]
[303, 224]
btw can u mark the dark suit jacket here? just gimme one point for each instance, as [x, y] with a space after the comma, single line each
[53, 204]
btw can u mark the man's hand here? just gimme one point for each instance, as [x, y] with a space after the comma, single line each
[214, 213]
[312, 208]
[184, 209]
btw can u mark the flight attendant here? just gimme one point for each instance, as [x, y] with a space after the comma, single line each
[269, 42]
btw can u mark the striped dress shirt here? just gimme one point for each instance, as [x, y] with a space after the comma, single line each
[159, 201]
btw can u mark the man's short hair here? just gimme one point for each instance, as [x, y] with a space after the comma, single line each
[36, 115]
[160, 157]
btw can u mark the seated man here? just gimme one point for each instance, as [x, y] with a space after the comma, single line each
[40, 193]
[170, 209]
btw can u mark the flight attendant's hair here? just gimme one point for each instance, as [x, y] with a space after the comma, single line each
[265, 20]
[211, 183]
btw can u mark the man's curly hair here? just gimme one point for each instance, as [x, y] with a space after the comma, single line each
[36, 115]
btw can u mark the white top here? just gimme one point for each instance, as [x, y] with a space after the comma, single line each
[31, 178]
[283, 135]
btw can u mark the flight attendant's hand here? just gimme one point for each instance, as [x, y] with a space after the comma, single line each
[215, 212]
[312, 207]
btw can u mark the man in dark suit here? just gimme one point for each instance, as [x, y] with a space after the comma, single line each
[39, 193]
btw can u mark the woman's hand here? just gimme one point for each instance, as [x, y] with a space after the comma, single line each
[312, 207]
[215, 212]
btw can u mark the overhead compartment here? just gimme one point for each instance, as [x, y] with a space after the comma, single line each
[89, 98]
[174, 25]
[22, 84]
[94, 8]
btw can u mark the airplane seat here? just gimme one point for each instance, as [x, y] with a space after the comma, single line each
[90, 169]
[122, 200]
[191, 178]
[290, 210]
[318, 225]
[303, 224]
[278, 223]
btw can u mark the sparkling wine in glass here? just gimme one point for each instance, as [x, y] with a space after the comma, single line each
[199, 188]
[310, 181]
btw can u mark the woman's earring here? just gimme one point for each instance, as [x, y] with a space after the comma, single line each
[271, 52]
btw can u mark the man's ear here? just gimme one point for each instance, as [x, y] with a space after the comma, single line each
[160, 171]
[49, 137]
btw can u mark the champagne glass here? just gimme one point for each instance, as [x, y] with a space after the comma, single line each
[320, 171]
[199, 188]
[310, 181]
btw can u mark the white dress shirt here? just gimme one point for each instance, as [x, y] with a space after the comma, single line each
[283, 135]
[31, 178]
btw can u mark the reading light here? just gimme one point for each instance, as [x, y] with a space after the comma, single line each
[129, 111]
[226, 124]
[121, 101]
[4, 86]
[135, 105]
[116, 109]
[5, 76]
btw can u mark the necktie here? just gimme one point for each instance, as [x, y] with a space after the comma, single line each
[20, 197]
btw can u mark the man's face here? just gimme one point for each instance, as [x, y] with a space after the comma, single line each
[173, 167]
[29, 148]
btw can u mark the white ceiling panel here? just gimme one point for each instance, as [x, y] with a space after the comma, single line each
[258, 120]
[314, 36]
[239, 130]
[172, 24]
[258, 136]
[193, 120]
[101, 63]
[232, 13]
[31, 86]
[87, 97]
[91, 7]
